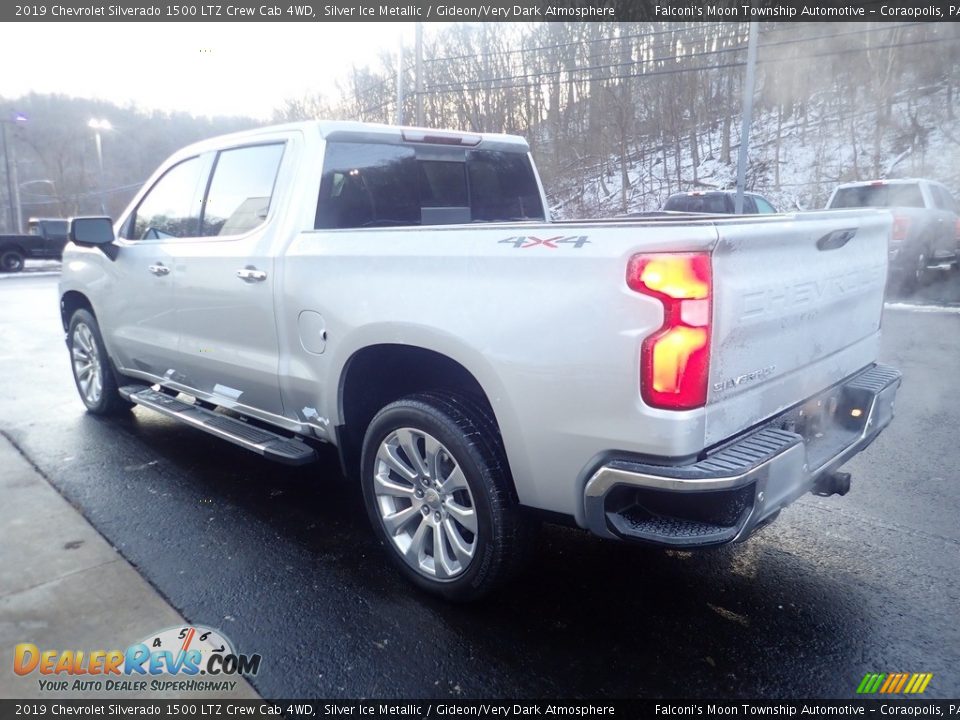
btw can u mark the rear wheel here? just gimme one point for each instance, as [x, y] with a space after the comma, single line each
[92, 372]
[916, 273]
[11, 261]
[437, 490]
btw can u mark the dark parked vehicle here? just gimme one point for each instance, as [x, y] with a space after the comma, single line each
[717, 202]
[926, 226]
[45, 242]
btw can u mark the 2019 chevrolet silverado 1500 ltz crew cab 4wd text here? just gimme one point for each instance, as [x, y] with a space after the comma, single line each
[402, 294]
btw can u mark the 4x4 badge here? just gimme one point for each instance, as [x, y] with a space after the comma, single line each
[528, 241]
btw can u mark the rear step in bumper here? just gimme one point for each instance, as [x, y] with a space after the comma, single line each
[743, 485]
[272, 446]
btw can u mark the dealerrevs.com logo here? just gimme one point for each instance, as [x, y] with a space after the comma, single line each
[170, 660]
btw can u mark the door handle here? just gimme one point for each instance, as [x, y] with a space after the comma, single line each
[159, 269]
[251, 274]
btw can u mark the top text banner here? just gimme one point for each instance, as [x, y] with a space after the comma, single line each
[476, 11]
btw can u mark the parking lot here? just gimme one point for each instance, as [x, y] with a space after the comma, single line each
[283, 561]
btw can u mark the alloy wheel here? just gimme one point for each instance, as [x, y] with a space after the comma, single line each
[87, 367]
[425, 504]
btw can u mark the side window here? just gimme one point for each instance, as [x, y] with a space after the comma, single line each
[169, 209]
[942, 198]
[762, 205]
[368, 185]
[749, 206]
[241, 189]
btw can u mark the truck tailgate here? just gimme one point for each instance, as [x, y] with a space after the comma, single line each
[797, 307]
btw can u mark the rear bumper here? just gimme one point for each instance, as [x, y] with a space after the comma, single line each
[743, 484]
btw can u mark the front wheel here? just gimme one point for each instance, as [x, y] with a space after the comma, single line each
[11, 261]
[437, 490]
[91, 367]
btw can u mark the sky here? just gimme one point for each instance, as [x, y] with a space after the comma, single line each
[203, 68]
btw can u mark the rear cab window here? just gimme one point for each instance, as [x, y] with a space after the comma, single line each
[879, 196]
[714, 203]
[390, 185]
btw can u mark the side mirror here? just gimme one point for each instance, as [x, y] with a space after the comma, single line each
[91, 231]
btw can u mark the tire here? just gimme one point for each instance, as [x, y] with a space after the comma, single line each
[11, 260]
[915, 275]
[92, 371]
[455, 534]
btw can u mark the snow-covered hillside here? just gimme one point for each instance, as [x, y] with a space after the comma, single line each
[922, 139]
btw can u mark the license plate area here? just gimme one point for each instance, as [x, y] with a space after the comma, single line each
[812, 419]
[828, 422]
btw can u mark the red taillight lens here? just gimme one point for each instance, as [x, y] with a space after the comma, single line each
[675, 360]
[901, 228]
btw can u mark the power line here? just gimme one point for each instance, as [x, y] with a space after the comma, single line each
[608, 66]
[579, 43]
[576, 73]
[650, 48]
[683, 37]
[672, 71]
[481, 84]
[470, 84]
[75, 196]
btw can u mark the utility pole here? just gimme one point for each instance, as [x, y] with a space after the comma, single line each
[747, 117]
[400, 83]
[10, 165]
[419, 69]
[6, 162]
[98, 125]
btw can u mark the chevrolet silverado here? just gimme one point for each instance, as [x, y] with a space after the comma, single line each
[403, 294]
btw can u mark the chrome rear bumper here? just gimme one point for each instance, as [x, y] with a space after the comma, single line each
[743, 484]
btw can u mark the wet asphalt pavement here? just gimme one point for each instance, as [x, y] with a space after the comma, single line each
[283, 562]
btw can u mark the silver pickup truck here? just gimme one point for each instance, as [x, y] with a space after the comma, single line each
[926, 226]
[403, 295]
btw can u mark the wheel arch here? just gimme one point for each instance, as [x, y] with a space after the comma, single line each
[378, 374]
[70, 302]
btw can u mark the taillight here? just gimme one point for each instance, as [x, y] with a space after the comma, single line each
[901, 228]
[675, 360]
